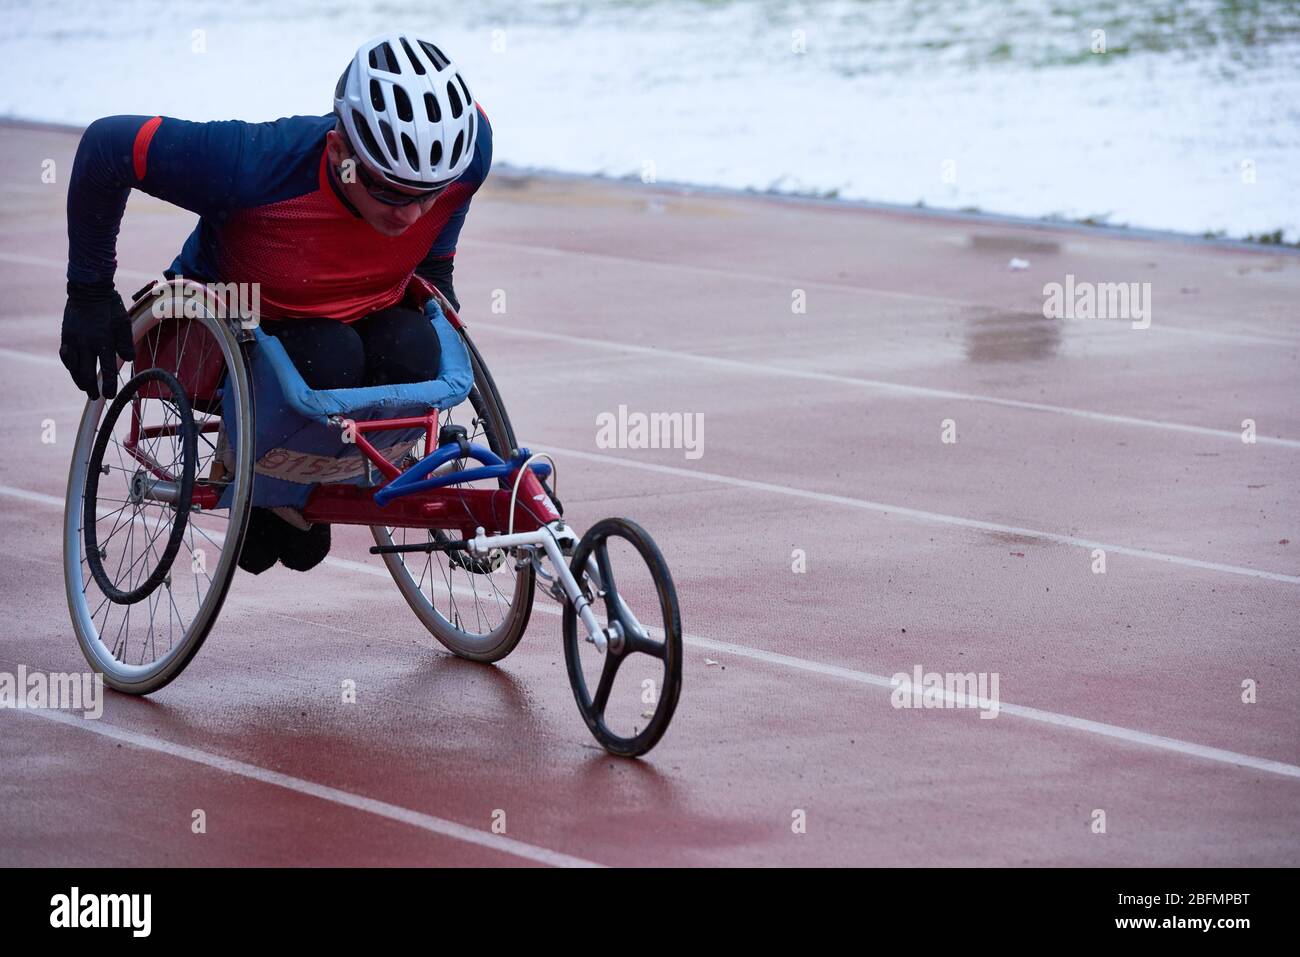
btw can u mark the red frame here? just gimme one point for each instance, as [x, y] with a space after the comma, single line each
[466, 509]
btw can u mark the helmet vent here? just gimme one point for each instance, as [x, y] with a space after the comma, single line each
[435, 154]
[432, 108]
[381, 58]
[415, 61]
[343, 83]
[455, 150]
[412, 157]
[377, 96]
[436, 55]
[469, 100]
[403, 104]
[368, 143]
[457, 108]
[387, 132]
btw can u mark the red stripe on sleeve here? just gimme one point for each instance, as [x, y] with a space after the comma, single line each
[140, 153]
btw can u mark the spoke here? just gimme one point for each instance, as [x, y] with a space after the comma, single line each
[198, 595]
[607, 674]
[126, 522]
[117, 644]
[116, 525]
[95, 613]
[190, 528]
[497, 593]
[478, 611]
[219, 546]
[427, 570]
[152, 602]
[646, 646]
[130, 532]
[140, 561]
[607, 580]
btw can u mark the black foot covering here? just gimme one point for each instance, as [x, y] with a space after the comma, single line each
[303, 550]
[262, 541]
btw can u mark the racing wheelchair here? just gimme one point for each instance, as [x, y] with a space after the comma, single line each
[212, 419]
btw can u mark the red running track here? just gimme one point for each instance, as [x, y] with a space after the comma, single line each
[1119, 692]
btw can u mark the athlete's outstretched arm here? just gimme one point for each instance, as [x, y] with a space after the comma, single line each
[207, 168]
[199, 166]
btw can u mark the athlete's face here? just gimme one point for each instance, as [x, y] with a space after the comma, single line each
[382, 217]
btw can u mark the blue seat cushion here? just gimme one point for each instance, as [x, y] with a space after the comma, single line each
[298, 449]
[370, 402]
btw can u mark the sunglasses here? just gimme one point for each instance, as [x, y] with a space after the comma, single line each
[381, 193]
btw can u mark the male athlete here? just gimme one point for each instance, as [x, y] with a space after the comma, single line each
[331, 215]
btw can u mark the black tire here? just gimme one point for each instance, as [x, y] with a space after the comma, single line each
[669, 650]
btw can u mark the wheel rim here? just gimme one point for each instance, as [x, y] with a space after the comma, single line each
[142, 645]
[627, 695]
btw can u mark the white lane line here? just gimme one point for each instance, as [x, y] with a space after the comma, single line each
[725, 273]
[27, 496]
[25, 260]
[1232, 336]
[770, 371]
[802, 282]
[425, 822]
[57, 412]
[45, 320]
[925, 516]
[882, 508]
[1021, 711]
[31, 357]
[809, 666]
[919, 515]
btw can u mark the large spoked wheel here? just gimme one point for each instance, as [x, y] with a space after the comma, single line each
[627, 696]
[477, 608]
[146, 570]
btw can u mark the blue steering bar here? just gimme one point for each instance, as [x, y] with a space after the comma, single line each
[413, 479]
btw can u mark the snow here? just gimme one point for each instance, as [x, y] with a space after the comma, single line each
[1191, 122]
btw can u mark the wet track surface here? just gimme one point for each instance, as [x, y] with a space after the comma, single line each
[822, 444]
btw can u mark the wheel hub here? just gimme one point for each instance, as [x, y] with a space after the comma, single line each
[135, 494]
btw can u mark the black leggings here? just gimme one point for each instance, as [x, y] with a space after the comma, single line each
[392, 345]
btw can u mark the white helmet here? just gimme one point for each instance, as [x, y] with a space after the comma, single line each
[407, 111]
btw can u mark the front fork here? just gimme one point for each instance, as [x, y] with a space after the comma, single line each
[554, 539]
[557, 540]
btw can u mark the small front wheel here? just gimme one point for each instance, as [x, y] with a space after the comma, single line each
[627, 695]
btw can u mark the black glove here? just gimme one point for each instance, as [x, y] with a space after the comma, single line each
[95, 326]
[438, 272]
